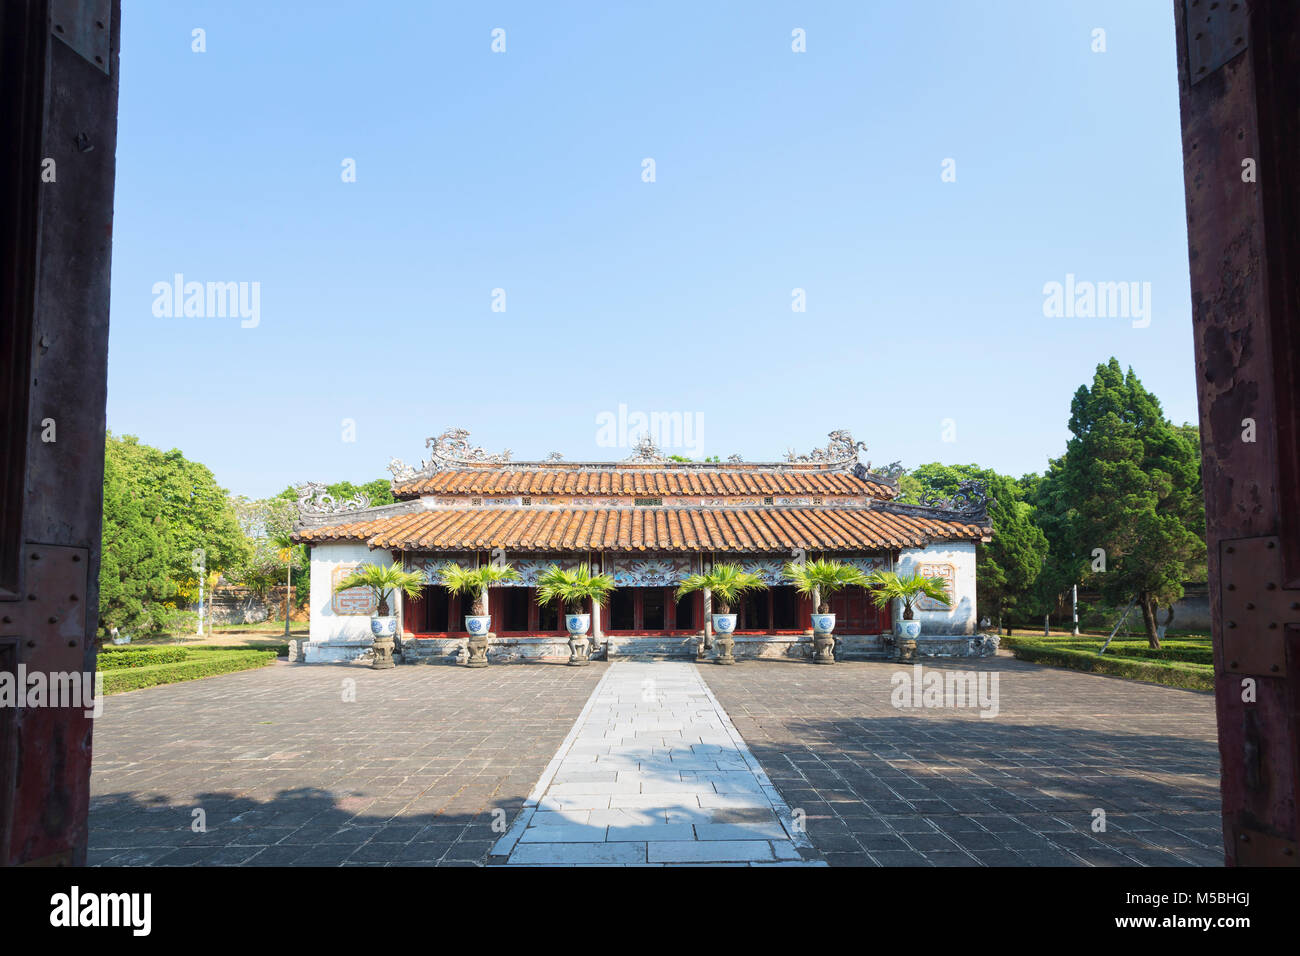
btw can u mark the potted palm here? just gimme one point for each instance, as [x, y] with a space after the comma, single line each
[726, 583]
[819, 580]
[475, 583]
[382, 581]
[889, 586]
[571, 590]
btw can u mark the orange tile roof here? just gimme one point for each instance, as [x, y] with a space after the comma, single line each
[640, 481]
[659, 529]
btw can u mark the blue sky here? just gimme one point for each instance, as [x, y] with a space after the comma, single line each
[522, 171]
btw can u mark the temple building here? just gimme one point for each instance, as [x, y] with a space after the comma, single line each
[649, 521]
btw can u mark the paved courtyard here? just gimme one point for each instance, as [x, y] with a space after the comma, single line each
[944, 786]
[326, 765]
[769, 762]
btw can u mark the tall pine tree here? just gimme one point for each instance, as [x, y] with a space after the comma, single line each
[1121, 509]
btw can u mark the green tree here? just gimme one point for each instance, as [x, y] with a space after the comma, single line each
[1007, 567]
[267, 524]
[186, 504]
[1122, 508]
[133, 570]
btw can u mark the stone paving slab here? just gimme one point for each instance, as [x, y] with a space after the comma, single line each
[681, 771]
[327, 765]
[890, 785]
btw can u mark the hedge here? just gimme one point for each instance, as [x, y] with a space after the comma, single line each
[1168, 673]
[280, 650]
[215, 661]
[119, 657]
[1189, 652]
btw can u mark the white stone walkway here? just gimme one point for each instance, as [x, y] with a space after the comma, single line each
[653, 773]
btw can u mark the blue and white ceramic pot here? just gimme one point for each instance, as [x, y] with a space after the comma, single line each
[910, 630]
[724, 624]
[577, 624]
[383, 626]
[823, 623]
[478, 625]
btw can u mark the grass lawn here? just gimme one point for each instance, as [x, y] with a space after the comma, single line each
[1183, 660]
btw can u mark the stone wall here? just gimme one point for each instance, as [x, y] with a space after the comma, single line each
[501, 650]
[230, 604]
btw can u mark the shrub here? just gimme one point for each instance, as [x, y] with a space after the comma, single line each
[1188, 676]
[218, 661]
[116, 658]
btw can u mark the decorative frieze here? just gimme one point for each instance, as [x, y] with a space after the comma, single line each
[660, 571]
[530, 569]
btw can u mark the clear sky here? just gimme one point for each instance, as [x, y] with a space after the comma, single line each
[524, 171]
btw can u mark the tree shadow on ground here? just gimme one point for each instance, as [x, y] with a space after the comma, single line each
[1050, 779]
[300, 827]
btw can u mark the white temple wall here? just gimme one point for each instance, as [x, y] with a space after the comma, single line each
[952, 559]
[341, 620]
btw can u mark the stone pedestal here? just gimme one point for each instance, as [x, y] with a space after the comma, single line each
[904, 648]
[579, 650]
[383, 648]
[477, 646]
[823, 649]
[725, 644]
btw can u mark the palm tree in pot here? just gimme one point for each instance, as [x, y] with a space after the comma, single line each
[726, 583]
[572, 590]
[382, 582]
[475, 582]
[820, 579]
[889, 586]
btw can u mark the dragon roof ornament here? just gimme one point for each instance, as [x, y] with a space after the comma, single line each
[452, 449]
[315, 501]
[969, 498]
[891, 472]
[447, 450]
[841, 449]
[646, 451]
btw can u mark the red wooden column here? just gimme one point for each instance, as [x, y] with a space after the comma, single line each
[1237, 65]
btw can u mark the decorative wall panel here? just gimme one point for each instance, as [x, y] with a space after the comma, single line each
[949, 574]
[353, 601]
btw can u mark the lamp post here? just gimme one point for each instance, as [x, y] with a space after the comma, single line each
[288, 584]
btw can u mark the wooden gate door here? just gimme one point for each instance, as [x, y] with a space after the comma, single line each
[58, 124]
[1237, 65]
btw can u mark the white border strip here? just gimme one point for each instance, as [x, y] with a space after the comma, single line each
[505, 846]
